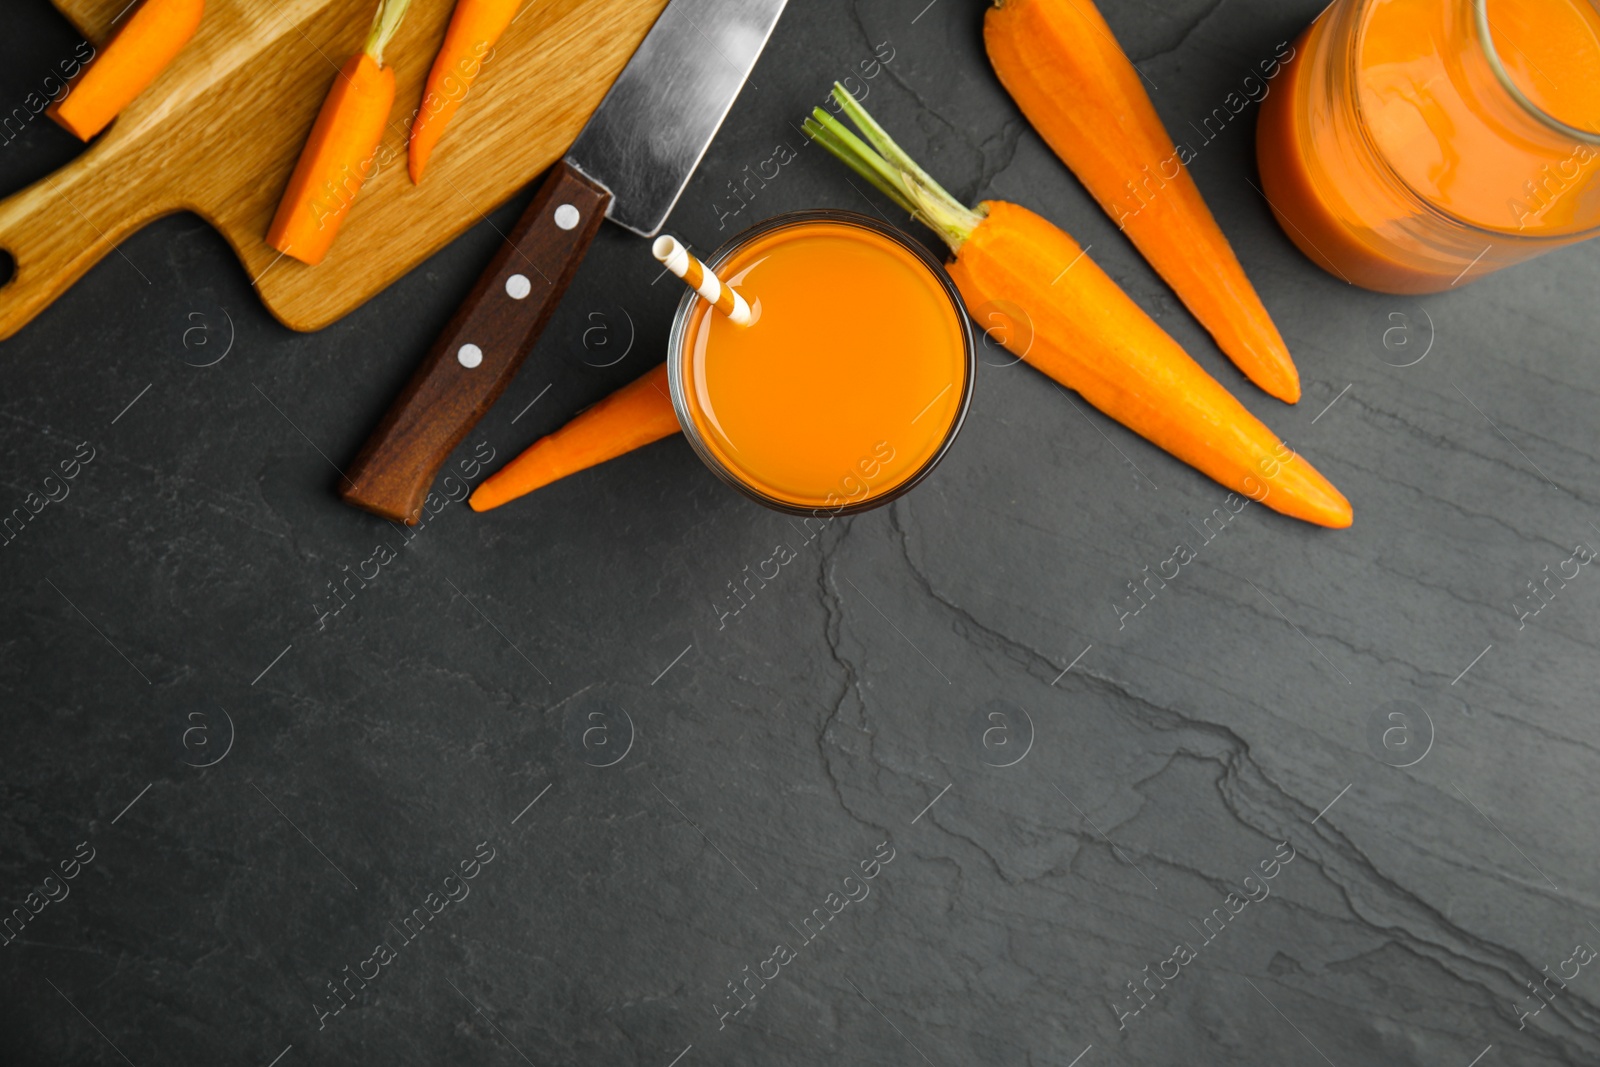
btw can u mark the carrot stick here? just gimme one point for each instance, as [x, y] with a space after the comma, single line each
[137, 53]
[1061, 64]
[474, 29]
[1087, 334]
[632, 417]
[339, 154]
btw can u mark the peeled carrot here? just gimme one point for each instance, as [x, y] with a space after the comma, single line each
[137, 53]
[1090, 336]
[474, 28]
[1087, 333]
[1061, 64]
[632, 417]
[340, 153]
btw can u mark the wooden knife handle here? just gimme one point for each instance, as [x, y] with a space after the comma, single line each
[476, 357]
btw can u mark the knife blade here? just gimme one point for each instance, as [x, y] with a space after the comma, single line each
[629, 164]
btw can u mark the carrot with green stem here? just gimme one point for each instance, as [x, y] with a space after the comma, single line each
[143, 47]
[474, 28]
[630, 418]
[339, 155]
[1087, 334]
[1060, 62]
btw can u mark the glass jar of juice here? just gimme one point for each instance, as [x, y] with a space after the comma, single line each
[851, 381]
[1414, 145]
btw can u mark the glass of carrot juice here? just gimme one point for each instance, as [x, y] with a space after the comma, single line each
[1414, 145]
[851, 381]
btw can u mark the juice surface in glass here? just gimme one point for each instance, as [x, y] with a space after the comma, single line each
[849, 384]
[1417, 144]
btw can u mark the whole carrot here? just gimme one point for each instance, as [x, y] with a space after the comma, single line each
[474, 28]
[1061, 64]
[137, 53]
[632, 417]
[1087, 334]
[339, 154]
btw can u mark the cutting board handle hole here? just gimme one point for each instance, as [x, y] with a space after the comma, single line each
[8, 267]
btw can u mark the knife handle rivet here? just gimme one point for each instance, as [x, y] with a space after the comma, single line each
[469, 355]
[518, 286]
[567, 217]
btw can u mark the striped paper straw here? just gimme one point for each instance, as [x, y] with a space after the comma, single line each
[698, 276]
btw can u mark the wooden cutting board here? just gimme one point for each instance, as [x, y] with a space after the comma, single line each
[219, 132]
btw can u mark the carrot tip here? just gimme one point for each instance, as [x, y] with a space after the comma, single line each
[310, 259]
[1286, 391]
[81, 133]
[1274, 374]
[1333, 511]
[1339, 520]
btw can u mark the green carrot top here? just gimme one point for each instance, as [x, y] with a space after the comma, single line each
[890, 170]
[384, 26]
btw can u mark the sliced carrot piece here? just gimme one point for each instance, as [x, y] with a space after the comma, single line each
[341, 151]
[632, 417]
[1060, 62]
[144, 46]
[474, 28]
[338, 157]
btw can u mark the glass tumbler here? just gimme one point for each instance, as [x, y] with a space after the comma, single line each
[850, 384]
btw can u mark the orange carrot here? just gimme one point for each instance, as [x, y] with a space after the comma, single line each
[1091, 336]
[474, 29]
[339, 155]
[1061, 64]
[1086, 332]
[630, 418]
[137, 53]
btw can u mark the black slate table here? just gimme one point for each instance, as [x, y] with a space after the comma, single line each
[669, 816]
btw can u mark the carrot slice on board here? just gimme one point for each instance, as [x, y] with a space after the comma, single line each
[1060, 62]
[1086, 332]
[340, 154]
[632, 417]
[474, 28]
[144, 46]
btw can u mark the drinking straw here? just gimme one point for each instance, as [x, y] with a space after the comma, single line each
[699, 277]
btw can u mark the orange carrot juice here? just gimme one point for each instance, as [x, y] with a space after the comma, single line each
[1416, 145]
[851, 381]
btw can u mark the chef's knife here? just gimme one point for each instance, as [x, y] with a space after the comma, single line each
[630, 164]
